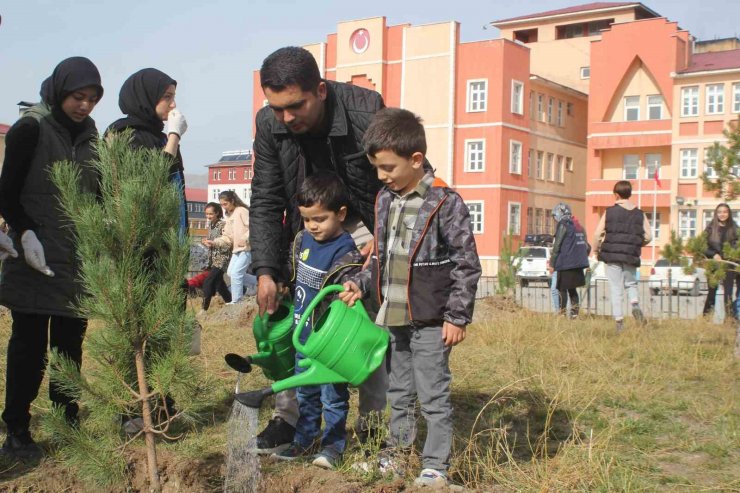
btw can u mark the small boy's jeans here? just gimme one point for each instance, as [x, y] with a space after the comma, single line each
[334, 400]
[419, 368]
[621, 277]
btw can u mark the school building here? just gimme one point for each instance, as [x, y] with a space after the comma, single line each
[233, 171]
[557, 109]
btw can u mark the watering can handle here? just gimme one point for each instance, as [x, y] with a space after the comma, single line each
[334, 288]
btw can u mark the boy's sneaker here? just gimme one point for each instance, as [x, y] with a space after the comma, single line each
[276, 437]
[21, 446]
[327, 459]
[620, 326]
[639, 317]
[293, 452]
[431, 477]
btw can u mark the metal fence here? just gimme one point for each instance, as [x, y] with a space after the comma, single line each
[661, 301]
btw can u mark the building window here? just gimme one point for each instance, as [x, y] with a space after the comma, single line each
[652, 163]
[687, 223]
[540, 155]
[540, 107]
[475, 152]
[476, 216]
[216, 191]
[688, 163]
[216, 174]
[708, 214]
[631, 108]
[585, 72]
[246, 173]
[530, 157]
[550, 106]
[715, 99]
[569, 163]
[560, 114]
[539, 216]
[517, 97]
[515, 157]
[515, 218]
[561, 170]
[630, 163]
[570, 109]
[477, 95]
[530, 221]
[736, 98]
[532, 107]
[708, 168]
[690, 101]
[655, 227]
[549, 166]
[232, 174]
[655, 107]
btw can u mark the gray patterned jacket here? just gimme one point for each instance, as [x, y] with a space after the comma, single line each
[444, 265]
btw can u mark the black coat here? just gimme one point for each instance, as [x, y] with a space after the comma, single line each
[280, 167]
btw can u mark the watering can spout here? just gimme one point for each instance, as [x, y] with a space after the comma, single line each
[316, 374]
[253, 398]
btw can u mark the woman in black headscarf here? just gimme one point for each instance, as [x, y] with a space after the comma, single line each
[148, 99]
[40, 285]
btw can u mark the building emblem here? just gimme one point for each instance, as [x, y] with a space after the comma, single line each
[360, 41]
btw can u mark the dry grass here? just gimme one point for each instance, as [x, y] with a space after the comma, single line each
[541, 404]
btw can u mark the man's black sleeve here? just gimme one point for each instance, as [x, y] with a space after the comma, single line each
[20, 146]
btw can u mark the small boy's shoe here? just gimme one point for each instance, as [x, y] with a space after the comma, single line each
[21, 446]
[639, 317]
[327, 459]
[293, 452]
[620, 326]
[276, 437]
[431, 477]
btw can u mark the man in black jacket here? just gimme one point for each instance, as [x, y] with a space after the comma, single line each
[309, 125]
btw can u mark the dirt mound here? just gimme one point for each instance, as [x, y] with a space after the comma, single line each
[488, 308]
[240, 314]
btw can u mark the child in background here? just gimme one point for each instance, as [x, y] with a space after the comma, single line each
[424, 273]
[236, 235]
[322, 254]
[218, 257]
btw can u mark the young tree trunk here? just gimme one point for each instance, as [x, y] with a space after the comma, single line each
[146, 414]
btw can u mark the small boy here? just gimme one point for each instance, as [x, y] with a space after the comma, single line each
[424, 273]
[622, 232]
[326, 255]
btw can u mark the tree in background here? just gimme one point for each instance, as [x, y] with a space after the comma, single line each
[508, 265]
[725, 162]
[132, 263]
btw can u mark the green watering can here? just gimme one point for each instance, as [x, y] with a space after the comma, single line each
[344, 346]
[274, 337]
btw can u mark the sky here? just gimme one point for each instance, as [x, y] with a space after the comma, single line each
[212, 47]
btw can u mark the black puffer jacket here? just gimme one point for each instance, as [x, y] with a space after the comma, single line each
[280, 167]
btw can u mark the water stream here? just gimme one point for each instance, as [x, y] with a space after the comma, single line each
[242, 463]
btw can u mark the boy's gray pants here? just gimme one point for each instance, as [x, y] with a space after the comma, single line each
[621, 277]
[419, 368]
[372, 400]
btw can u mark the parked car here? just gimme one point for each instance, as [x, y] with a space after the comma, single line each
[680, 281]
[531, 264]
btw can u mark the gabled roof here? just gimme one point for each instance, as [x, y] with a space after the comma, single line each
[196, 194]
[714, 60]
[576, 9]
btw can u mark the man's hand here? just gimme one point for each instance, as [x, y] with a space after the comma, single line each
[6, 247]
[267, 298]
[452, 334]
[351, 293]
[34, 253]
[367, 253]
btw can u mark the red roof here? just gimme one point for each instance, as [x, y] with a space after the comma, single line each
[196, 194]
[4, 128]
[715, 60]
[586, 7]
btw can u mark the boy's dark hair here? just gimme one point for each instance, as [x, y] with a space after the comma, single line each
[396, 130]
[623, 188]
[290, 66]
[325, 189]
[216, 209]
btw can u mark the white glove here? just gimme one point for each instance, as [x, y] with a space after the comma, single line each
[6, 247]
[34, 253]
[176, 123]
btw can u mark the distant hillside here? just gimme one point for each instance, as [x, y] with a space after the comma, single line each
[196, 181]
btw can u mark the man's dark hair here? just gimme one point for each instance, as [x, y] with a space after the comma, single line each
[396, 130]
[290, 66]
[324, 189]
[623, 188]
